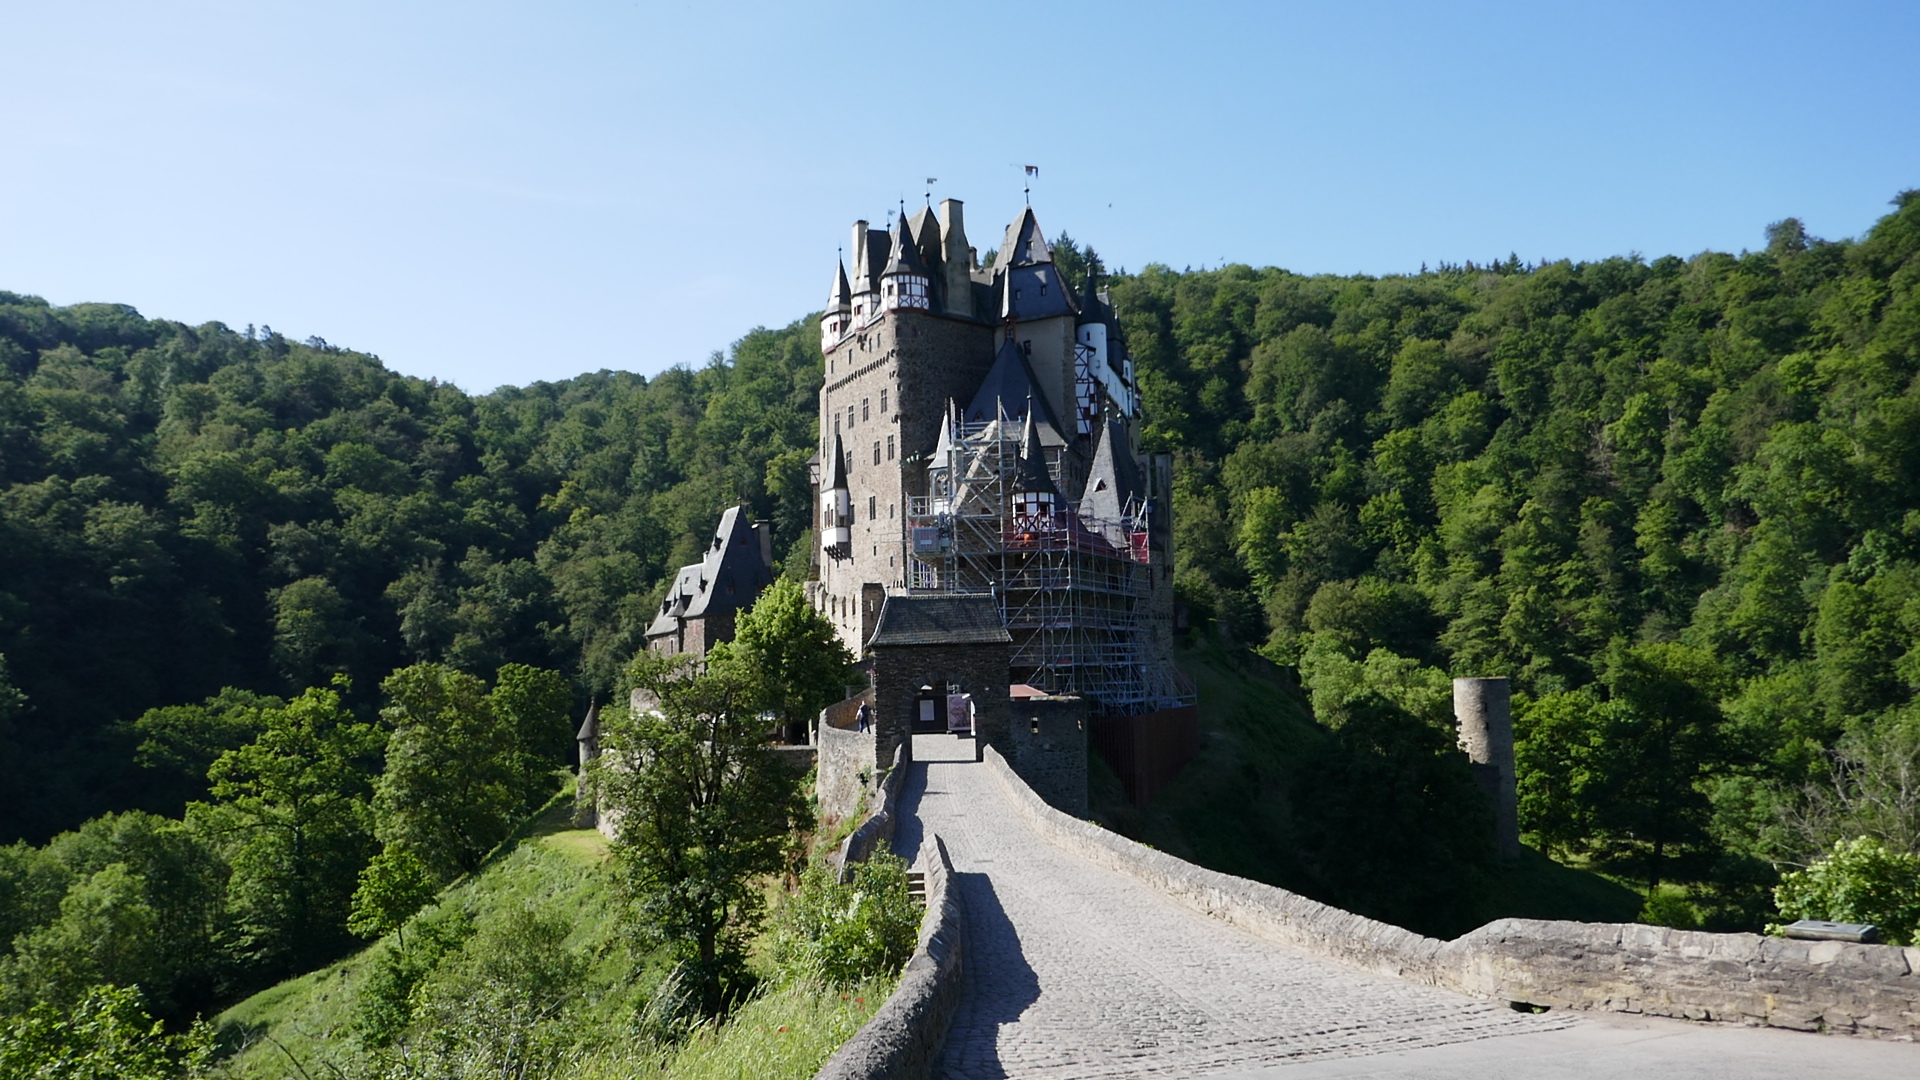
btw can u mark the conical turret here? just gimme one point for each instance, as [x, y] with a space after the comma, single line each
[838, 316]
[904, 283]
[836, 506]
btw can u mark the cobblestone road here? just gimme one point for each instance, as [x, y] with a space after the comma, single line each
[1074, 970]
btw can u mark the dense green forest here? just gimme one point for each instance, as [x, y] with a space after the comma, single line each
[185, 509]
[1677, 501]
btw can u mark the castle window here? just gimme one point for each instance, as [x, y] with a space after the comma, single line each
[883, 401]
[889, 511]
[889, 448]
[876, 451]
[1027, 347]
[849, 414]
[866, 408]
[873, 507]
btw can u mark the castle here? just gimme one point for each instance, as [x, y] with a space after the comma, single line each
[979, 440]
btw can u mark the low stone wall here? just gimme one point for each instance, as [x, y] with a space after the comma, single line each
[877, 829]
[905, 1034]
[1830, 986]
[844, 770]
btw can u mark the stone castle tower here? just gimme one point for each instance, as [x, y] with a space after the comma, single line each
[978, 436]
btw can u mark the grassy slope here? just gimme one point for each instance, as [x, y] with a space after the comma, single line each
[549, 864]
[1229, 809]
[788, 1032]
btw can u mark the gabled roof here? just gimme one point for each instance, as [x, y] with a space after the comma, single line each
[1113, 479]
[937, 619]
[1010, 384]
[735, 572]
[926, 231]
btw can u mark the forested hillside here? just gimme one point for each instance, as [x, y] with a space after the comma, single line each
[1677, 501]
[184, 509]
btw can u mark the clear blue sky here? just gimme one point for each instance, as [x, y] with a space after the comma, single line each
[497, 193]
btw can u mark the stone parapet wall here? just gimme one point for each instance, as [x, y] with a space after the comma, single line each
[905, 1034]
[1047, 745]
[877, 829]
[1743, 978]
[845, 770]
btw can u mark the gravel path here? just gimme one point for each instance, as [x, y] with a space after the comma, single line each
[1074, 970]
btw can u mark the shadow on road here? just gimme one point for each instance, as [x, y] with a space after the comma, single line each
[999, 983]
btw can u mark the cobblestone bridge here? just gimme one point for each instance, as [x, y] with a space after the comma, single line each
[1074, 970]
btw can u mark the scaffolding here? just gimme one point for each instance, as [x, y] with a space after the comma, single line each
[1074, 590]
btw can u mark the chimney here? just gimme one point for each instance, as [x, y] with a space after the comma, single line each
[1484, 710]
[957, 258]
[862, 274]
[765, 532]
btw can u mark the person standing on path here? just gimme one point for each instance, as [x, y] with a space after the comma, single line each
[864, 717]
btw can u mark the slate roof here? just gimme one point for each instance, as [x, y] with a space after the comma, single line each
[939, 620]
[1032, 476]
[905, 256]
[1010, 384]
[1114, 477]
[837, 470]
[728, 577]
[842, 298]
[1025, 243]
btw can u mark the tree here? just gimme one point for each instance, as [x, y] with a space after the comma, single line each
[453, 776]
[181, 742]
[795, 650]
[1862, 881]
[106, 1036]
[704, 809]
[393, 886]
[537, 705]
[293, 806]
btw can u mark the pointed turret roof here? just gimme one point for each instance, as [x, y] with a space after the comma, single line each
[943, 448]
[841, 299]
[905, 256]
[1092, 308]
[1113, 479]
[837, 472]
[1025, 244]
[1033, 461]
[590, 728]
[1008, 388]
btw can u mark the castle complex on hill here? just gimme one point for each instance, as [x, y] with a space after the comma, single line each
[978, 438]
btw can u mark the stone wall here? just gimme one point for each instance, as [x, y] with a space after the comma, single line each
[1047, 745]
[905, 1034]
[848, 760]
[899, 671]
[1741, 978]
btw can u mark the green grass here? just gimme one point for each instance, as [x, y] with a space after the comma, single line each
[308, 1018]
[786, 1034]
[1229, 809]
[304, 1026]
